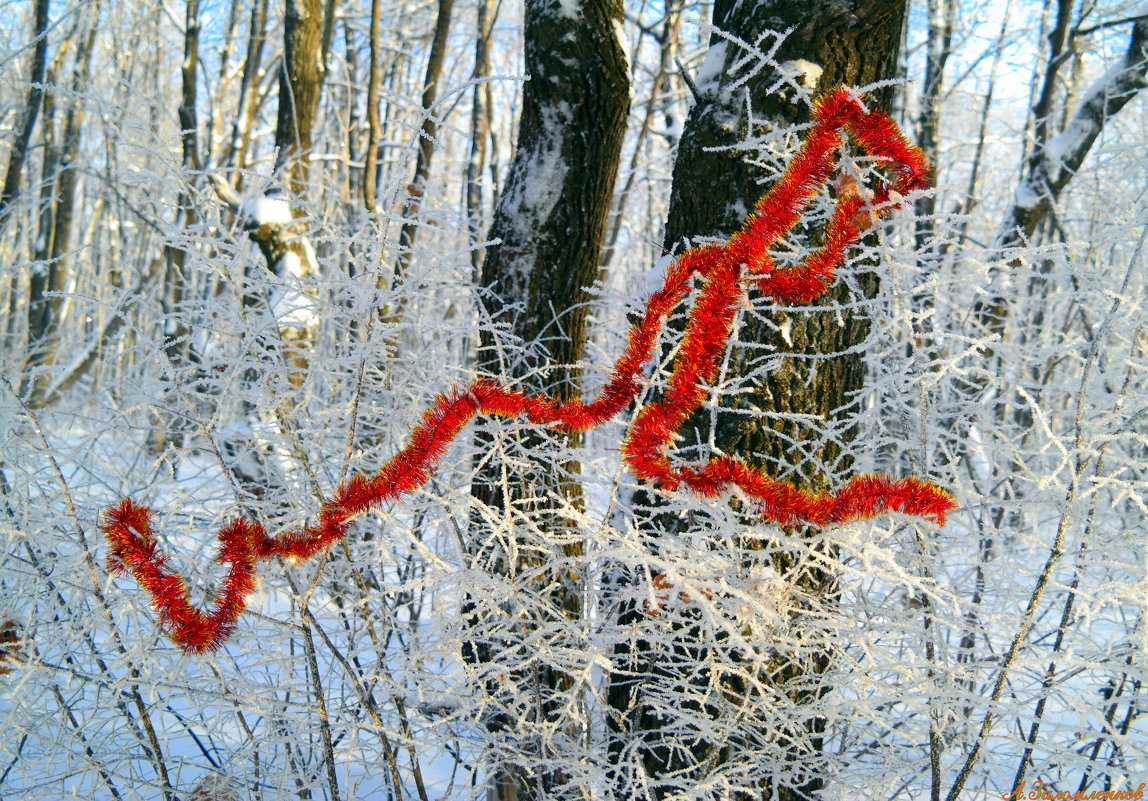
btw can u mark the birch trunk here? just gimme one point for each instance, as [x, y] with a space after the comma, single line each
[551, 224]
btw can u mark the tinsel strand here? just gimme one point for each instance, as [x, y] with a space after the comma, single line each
[726, 271]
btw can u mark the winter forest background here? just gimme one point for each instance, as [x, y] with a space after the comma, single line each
[244, 244]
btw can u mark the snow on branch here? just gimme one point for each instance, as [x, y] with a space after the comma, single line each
[1057, 160]
[726, 272]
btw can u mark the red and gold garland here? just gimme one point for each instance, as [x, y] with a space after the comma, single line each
[725, 270]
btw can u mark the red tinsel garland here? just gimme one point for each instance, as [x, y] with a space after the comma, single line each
[724, 269]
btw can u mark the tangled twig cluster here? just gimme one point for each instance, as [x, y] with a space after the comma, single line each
[726, 272]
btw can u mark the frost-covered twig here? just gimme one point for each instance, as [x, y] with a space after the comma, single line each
[1057, 159]
[726, 270]
[1057, 550]
[153, 743]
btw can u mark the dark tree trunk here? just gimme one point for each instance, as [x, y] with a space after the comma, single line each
[808, 390]
[854, 43]
[939, 46]
[300, 89]
[569, 138]
[61, 180]
[551, 221]
[480, 116]
[178, 343]
[188, 123]
[282, 237]
[300, 86]
[31, 108]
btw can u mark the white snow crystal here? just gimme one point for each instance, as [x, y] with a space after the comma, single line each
[709, 75]
[294, 308]
[570, 9]
[532, 201]
[624, 45]
[806, 72]
[786, 331]
[1027, 196]
[656, 277]
[265, 210]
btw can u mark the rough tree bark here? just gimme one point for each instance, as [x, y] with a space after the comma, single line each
[374, 130]
[300, 86]
[809, 392]
[300, 89]
[852, 43]
[551, 223]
